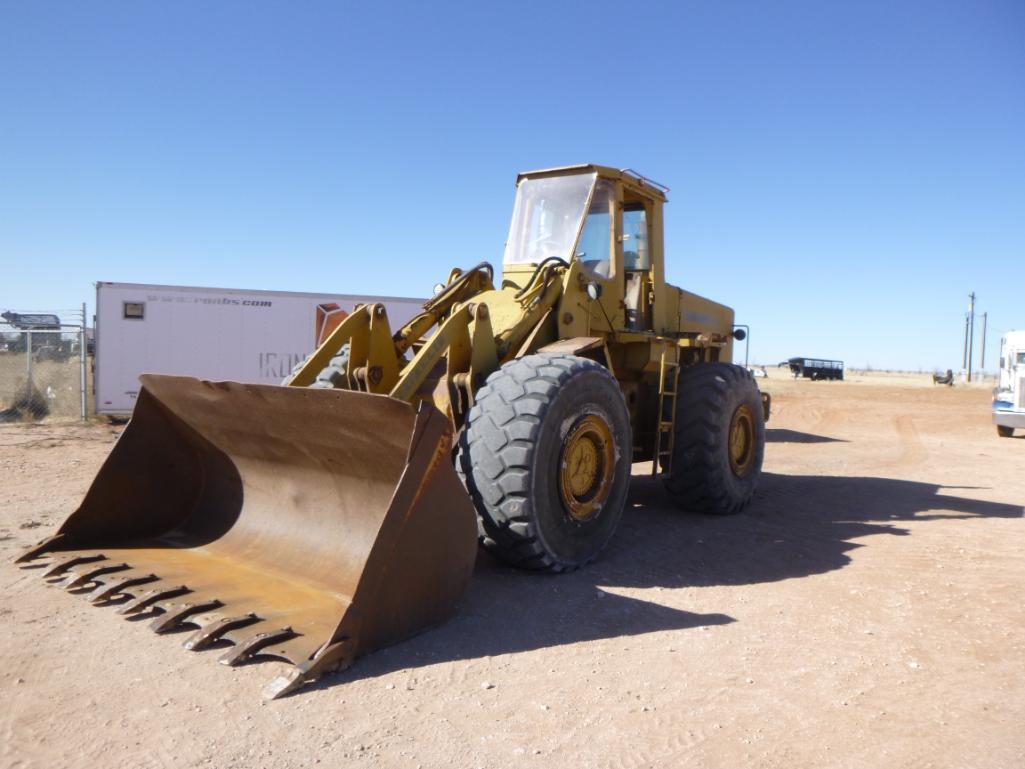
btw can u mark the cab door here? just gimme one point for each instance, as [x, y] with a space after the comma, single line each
[637, 264]
[600, 253]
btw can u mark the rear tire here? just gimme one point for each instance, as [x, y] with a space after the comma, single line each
[1004, 431]
[546, 457]
[719, 441]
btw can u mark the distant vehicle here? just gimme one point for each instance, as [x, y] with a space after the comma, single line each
[814, 368]
[944, 379]
[212, 333]
[47, 345]
[1009, 394]
[32, 321]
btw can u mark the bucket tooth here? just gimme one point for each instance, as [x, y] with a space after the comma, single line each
[284, 684]
[79, 578]
[179, 613]
[38, 549]
[146, 600]
[252, 645]
[60, 565]
[212, 631]
[117, 585]
[330, 657]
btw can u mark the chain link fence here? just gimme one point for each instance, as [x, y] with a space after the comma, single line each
[43, 365]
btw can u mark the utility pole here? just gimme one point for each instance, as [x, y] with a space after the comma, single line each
[982, 363]
[964, 355]
[971, 331]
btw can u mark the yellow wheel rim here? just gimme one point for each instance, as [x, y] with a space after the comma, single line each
[742, 441]
[586, 467]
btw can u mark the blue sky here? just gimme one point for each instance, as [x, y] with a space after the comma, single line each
[842, 174]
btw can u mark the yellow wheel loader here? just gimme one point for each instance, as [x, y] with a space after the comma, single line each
[329, 517]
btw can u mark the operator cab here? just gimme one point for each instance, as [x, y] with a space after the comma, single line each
[604, 219]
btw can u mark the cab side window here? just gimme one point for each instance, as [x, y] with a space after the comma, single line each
[635, 237]
[594, 250]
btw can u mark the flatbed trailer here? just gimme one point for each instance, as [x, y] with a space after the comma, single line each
[815, 368]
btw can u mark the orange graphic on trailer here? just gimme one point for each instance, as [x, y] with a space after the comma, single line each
[329, 317]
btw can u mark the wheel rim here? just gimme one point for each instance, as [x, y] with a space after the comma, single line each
[742, 441]
[586, 467]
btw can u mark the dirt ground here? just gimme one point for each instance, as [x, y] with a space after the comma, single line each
[865, 611]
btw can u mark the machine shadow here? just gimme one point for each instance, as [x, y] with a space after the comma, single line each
[507, 611]
[782, 435]
[796, 526]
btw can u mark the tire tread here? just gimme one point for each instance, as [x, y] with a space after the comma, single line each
[699, 480]
[506, 418]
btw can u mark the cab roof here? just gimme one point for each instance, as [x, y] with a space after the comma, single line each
[626, 175]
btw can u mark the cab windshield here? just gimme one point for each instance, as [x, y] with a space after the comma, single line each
[547, 217]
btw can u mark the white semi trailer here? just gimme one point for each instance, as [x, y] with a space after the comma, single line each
[1009, 394]
[211, 333]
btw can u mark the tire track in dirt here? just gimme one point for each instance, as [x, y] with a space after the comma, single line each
[674, 734]
[912, 450]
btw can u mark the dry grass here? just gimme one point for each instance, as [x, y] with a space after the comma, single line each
[57, 383]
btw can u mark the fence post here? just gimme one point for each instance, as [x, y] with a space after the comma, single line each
[28, 361]
[81, 365]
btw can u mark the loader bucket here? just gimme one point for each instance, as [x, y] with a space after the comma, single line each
[308, 525]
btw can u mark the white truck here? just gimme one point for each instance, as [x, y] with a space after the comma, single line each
[212, 333]
[1009, 394]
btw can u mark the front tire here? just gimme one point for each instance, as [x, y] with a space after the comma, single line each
[546, 458]
[1004, 431]
[719, 441]
[332, 376]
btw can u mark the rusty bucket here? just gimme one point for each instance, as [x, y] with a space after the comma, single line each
[306, 525]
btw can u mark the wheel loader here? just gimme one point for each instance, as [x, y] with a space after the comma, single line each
[320, 520]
